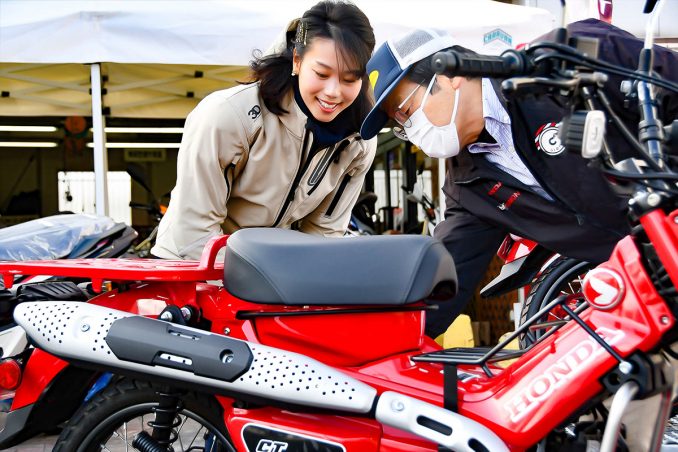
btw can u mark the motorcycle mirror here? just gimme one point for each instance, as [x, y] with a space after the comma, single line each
[649, 6]
[651, 25]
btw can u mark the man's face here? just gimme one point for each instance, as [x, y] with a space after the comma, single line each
[438, 107]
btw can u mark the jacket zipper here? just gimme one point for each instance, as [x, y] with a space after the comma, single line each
[336, 198]
[325, 164]
[318, 171]
[303, 166]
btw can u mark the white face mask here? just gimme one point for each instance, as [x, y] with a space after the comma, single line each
[435, 141]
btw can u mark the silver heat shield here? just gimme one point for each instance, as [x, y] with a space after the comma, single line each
[115, 340]
[80, 331]
[436, 424]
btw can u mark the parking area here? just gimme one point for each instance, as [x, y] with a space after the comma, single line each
[38, 444]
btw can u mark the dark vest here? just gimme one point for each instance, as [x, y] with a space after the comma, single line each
[577, 186]
[585, 219]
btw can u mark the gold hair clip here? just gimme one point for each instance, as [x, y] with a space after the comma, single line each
[302, 28]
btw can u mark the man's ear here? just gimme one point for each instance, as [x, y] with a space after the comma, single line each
[453, 82]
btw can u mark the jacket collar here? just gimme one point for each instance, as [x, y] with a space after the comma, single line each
[494, 106]
[295, 119]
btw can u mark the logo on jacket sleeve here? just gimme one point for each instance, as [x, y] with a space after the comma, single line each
[254, 112]
[547, 139]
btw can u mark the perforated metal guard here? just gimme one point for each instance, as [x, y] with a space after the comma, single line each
[69, 327]
[276, 370]
[78, 331]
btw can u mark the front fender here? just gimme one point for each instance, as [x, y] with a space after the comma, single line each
[517, 273]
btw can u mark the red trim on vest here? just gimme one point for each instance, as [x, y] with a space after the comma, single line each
[512, 199]
[494, 189]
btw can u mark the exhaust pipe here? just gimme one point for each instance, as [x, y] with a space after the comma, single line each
[122, 342]
[119, 341]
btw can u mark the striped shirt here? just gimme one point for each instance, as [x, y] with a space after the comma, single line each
[502, 154]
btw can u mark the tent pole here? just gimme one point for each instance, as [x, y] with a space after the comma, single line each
[100, 152]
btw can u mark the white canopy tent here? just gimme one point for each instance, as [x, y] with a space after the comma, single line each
[159, 58]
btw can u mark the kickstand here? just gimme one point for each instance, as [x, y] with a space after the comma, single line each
[620, 403]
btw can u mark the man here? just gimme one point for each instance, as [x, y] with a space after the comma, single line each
[565, 206]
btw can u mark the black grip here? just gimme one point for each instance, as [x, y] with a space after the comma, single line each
[138, 205]
[452, 64]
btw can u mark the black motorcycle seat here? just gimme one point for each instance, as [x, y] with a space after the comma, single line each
[279, 266]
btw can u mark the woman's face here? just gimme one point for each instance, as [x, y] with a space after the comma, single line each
[326, 83]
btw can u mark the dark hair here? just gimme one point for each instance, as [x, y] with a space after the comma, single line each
[347, 26]
[422, 71]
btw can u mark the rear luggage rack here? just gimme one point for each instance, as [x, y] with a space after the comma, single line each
[482, 356]
[113, 269]
[460, 355]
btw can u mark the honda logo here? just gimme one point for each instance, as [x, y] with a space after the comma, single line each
[603, 288]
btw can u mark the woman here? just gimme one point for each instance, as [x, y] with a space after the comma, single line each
[284, 150]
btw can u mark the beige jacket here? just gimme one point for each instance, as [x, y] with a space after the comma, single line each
[240, 166]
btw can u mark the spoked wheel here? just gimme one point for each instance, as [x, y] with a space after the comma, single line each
[563, 277]
[121, 413]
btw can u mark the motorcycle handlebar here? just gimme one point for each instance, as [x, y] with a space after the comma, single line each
[452, 63]
[137, 205]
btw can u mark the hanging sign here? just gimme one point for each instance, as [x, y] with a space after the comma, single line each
[145, 155]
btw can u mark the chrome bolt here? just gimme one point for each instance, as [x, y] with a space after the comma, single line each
[397, 406]
[653, 199]
[84, 327]
[227, 357]
[675, 219]
[167, 316]
[227, 331]
[626, 86]
[664, 319]
[625, 367]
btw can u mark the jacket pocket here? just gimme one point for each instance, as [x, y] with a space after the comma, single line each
[337, 196]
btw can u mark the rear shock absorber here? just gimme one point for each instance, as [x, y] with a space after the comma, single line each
[145, 443]
[164, 425]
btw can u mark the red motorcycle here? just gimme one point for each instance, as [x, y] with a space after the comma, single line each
[296, 351]
[192, 388]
